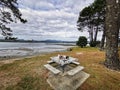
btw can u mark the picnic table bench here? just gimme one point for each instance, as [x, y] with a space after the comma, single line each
[52, 69]
[75, 70]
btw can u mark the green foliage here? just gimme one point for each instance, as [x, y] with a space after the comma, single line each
[9, 12]
[92, 18]
[94, 43]
[92, 15]
[82, 41]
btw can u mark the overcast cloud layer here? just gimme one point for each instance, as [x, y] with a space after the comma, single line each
[49, 19]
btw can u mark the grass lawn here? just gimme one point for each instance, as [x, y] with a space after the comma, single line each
[29, 73]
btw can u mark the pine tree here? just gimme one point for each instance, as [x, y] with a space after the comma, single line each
[92, 18]
[9, 12]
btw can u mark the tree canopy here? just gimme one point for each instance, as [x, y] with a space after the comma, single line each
[93, 18]
[9, 12]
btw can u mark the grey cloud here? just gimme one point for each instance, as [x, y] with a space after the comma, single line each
[54, 19]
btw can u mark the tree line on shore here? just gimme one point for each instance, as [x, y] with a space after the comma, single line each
[103, 15]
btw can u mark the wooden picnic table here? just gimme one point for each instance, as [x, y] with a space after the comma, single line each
[64, 61]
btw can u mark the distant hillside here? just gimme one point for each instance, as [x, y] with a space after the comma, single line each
[58, 41]
[36, 41]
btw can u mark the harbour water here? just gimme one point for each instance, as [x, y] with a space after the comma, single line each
[9, 49]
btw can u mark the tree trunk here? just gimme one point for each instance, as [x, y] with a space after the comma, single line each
[97, 29]
[102, 43]
[96, 33]
[91, 33]
[112, 33]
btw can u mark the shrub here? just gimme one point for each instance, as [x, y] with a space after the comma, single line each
[82, 41]
[94, 43]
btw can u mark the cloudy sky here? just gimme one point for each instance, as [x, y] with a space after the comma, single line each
[50, 19]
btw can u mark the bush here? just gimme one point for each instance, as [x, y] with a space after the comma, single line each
[82, 41]
[94, 43]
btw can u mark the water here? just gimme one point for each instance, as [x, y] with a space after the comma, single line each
[26, 49]
[13, 45]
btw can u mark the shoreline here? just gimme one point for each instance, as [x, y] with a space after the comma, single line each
[10, 59]
[18, 51]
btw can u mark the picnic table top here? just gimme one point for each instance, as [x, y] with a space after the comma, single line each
[63, 61]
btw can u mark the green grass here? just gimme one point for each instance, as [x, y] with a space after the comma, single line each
[30, 74]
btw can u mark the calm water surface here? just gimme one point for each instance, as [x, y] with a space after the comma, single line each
[25, 49]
